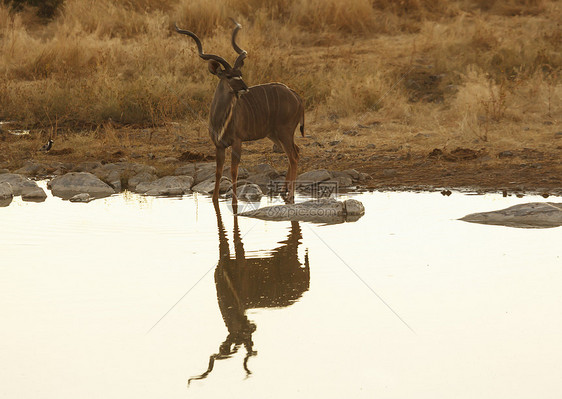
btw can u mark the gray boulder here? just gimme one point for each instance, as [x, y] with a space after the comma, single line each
[6, 191]
[355, 175]
[264, 168]
[5, 202]
[125, 174]
[186, 170]
[169, 185]
[34, 194]
[208, 186]
[142, 177]
[316, 211]
[18, 182]
[342, 181]
[314, 176]
[88, 166]
[70, 184]
[248, 192]
[82, 198]
[32, 169]
[530, 215]
[204, 171]
[242, 173]
[263, 180]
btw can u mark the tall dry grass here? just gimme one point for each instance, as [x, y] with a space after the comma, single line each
[120, 61]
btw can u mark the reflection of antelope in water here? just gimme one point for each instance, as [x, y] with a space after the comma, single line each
[247, 283]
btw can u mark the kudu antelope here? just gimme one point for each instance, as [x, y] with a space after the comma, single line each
[274, 281]
[240, 113]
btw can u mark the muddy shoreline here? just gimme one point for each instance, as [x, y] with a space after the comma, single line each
[387, 165]
[528, 178]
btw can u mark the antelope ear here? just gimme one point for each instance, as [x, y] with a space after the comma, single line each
[215, 67]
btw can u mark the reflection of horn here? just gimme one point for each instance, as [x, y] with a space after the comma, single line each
[206, 373]
[275, 280]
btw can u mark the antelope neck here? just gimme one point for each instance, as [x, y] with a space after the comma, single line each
[221, 113]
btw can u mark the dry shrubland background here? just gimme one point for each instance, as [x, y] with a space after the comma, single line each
[434, 64]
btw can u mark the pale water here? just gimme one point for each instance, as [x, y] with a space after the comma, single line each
[131, 297]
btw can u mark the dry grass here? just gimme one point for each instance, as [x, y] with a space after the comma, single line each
[464, 70]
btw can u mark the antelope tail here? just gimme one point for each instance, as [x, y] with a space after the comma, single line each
[302, 123]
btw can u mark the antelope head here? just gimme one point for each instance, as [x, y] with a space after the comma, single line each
[231, 76]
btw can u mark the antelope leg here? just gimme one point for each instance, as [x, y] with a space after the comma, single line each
[220, 155]
[235, 161]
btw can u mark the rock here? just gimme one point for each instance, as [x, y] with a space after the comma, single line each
[337, 173]
[242, 173]
[316, 211]
[186, 170]
[86, 166]
[5, 202]
[530, 215]
[264, 168]
[505, 154]
[122, 175]
[342, 181]
[248, 192]
[66, 186]
[18, 182]
[208, 186]
[334, 143]
[199, 171]
[6, 191]
[84, 198]
[35, 194]
[314, 176]
[142, 177]
[169, 185]
[363, 177]
[265, 182]
[204, 172]
[353, 208]
[32, 169]
[355, 175]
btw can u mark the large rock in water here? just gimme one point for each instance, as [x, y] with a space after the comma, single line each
[18, 182]
[317, 211]
[247, 192]
[208, 186]
[122, 175]
[70, 184]
[169, 185]
[6, 191]
[6, 194]
[33, 194]
[530, 215]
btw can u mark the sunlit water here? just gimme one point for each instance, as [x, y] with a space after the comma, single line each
[130, 297]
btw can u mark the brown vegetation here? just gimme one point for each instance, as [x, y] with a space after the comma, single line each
[383, 78]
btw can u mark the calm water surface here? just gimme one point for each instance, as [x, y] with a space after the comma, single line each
[132, 297]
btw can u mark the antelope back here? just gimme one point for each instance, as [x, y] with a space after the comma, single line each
[266, 111]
